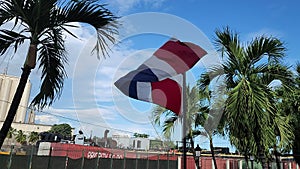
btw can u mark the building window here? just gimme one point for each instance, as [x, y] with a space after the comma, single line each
[133, 144]
[139, 144]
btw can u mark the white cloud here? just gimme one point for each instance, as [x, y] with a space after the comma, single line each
[46, 119]
[263, 32]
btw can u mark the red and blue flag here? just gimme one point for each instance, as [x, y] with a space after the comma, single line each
[155, 80]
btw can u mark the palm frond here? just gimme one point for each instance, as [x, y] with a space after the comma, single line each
[96, 15]
[202, 116]
[298, 69]
[225, 38]
[285, 131]
[261, 46]
[6, 12]
[104, 34]
[157, 112]
[10, 39]
[52, 59]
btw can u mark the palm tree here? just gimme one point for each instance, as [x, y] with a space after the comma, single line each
[33, 137]
[250, 108]
[21, 137]
[212, 103]
[43, 23]
[193, 116]
[11, 133]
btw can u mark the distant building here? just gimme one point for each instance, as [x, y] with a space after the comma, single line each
[8, 86]
[123, 141]
[136, 143]
[139, 143]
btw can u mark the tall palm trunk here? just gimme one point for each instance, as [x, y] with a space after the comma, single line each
[247, 162]
[193, 151]
[29, 64]
[296, 147]
[212, 151]
[15, 104]
[276, 153]
[260, 150]
[262, 157]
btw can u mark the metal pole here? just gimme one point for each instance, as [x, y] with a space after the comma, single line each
[158, 161]
[10, 156]
[147, 160]
[136, 160]
[124, 160]
[31, 156]
[197, 162]
[67, 160]
[111, 161]
[98, 159]
[82, 160]
[49, 159]
[168, 160]
[184, 119]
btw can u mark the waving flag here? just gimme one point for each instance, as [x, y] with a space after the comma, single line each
[154, 80]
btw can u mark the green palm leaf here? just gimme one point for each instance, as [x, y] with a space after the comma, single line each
[10, 39]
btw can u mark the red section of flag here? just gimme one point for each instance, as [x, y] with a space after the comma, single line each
[167, 93]
[180, 55]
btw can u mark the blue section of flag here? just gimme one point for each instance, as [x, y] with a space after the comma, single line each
[145, 75]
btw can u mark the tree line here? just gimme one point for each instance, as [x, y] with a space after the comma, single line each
[63, 130]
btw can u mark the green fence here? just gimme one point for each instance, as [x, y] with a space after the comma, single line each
[27, 158]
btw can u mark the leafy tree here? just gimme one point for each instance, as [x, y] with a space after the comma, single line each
[136, 135]
[64, 129]
[250, 110]
[21, 137]
[43, 23]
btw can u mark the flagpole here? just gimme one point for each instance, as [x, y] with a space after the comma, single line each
[184, 110]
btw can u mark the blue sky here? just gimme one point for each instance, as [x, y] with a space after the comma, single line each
[89, 96]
